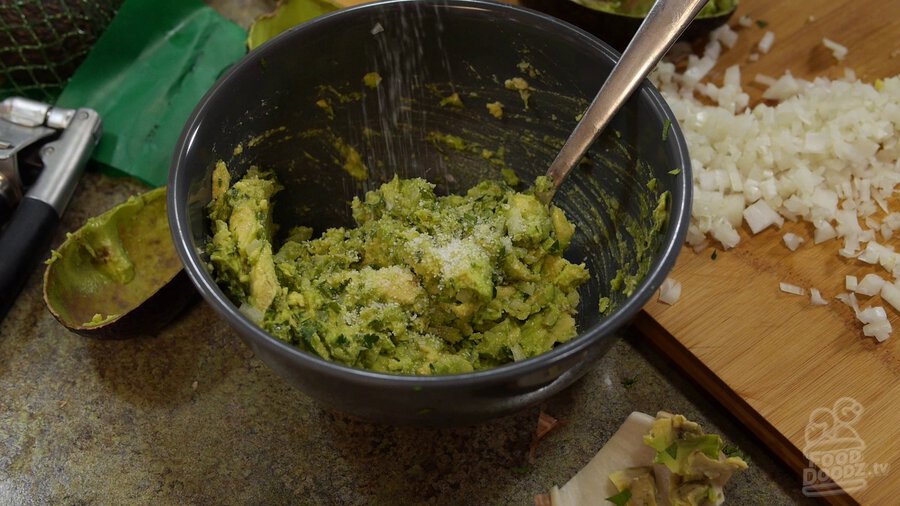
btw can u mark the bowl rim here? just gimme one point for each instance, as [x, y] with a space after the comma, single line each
[678, 220]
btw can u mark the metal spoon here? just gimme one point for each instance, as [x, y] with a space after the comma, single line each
[666, 20]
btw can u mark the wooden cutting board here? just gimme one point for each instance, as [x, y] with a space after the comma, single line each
[771, 358]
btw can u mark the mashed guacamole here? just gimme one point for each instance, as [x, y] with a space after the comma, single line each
[422, 285]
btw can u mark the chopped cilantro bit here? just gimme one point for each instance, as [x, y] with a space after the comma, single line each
[672, 450]
[715, 255]
[666, 125]
[762, 23]
[731, 450]
[629, 382]
[307, 329]
[675, 172]
[370, 340]
[620, 499]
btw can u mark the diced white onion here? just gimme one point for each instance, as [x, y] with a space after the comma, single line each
[669, 291]
[725, 234]
[882, 255]
[826, 153]
[792, 241]
[765, 80]
[252, 314]
[760, 216]
[789, 288]
[725, 35]
[849, 299]
[815, 297]
[871, 253]
[837, 50]
[377, 29]
[875, 322]
[890, 293]
[517, 352]
[765, 44]
[850, 282]
[870, 285]
[823, 232]
[880, 330]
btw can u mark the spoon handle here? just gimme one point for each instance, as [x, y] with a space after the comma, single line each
[666, 20]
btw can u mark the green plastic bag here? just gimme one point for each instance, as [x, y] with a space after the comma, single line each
[146, 74]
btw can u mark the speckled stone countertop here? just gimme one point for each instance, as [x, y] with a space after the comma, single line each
[190, 416]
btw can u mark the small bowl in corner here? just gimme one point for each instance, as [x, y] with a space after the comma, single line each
[617, 29]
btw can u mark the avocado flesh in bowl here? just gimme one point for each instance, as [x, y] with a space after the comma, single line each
[118, 275]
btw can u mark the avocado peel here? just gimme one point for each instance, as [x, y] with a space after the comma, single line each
[119, 275]
[287, 13]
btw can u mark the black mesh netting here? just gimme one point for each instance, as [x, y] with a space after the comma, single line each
[42, 42]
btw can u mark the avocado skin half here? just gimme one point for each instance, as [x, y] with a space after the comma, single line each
[151, 316]
[119, 276]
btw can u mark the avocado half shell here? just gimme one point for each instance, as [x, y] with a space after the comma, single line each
[617, 30]
[119, 276]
